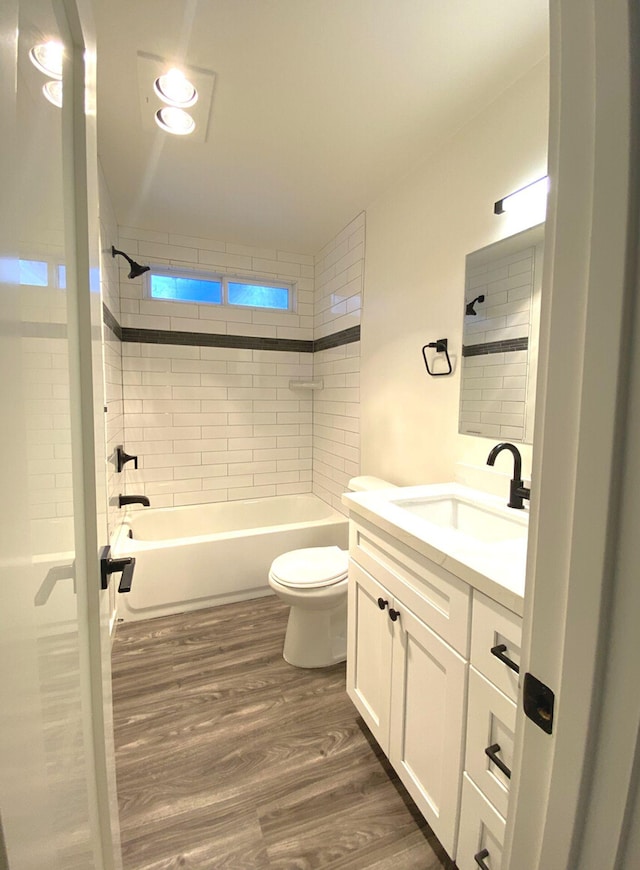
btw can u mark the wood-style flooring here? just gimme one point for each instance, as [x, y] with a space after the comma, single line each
[229, 758]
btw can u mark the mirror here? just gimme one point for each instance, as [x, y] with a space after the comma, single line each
[500, 337]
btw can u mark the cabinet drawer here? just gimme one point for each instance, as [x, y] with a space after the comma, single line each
[494, 626]
[481, 830]
[438, 598]
[491, 722]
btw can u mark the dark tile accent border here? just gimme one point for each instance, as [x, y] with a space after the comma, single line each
[495, 347]
[205, 339]
[247, 342]
[345, 336]
[111, 322]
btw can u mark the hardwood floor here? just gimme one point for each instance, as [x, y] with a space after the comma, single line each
[229, 758]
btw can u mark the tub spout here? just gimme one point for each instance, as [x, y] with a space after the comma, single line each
[133, 499]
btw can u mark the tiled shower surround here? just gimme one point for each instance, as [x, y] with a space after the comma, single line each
[211, 423]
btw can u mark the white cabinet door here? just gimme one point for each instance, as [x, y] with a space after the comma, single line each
[370, 637]
[427, 722]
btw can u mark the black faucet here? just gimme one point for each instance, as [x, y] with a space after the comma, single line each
[133, 499]
[517, 492]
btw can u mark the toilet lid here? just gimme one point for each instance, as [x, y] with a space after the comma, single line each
[312, 567]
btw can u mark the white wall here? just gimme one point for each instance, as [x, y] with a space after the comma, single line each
[418, 234]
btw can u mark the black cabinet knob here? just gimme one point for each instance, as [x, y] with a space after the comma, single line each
[393, 614]
[382, 603]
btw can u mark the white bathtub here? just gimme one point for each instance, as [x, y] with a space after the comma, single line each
[201, 555]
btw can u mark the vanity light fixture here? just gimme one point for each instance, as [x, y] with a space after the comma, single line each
[530, 196]
[47, 57]
[53, 92]
[136, 268]
[175, 89]
[176, 121]
[470, 309]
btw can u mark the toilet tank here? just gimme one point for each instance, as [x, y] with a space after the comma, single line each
[366, 483]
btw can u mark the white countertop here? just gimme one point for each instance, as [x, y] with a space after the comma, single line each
[496, 569]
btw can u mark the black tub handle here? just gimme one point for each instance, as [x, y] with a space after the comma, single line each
[491, 752]
[499, 652]
[127, 576]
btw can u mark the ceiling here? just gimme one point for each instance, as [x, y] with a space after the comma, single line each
[319, 105]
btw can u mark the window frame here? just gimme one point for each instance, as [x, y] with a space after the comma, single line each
[224, 278]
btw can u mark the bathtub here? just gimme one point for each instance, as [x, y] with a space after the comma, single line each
[202, 555]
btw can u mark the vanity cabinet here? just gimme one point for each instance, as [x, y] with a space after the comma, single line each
[407, 662]
[493, 685]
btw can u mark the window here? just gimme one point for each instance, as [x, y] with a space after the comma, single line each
[184, 289]
[34, 273]
[219, 290]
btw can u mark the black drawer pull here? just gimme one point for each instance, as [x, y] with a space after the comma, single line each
[491, 751]
[499, 652]
[479, 859]
[382, 603]
[393, 614]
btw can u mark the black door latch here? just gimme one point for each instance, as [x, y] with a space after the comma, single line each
[538, 701]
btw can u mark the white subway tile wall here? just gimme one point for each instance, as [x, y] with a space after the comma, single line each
[215, 424]
[205, 255]
[208, 423]
[336, 422]
[112, 353]
[339, 285]
[339, 280]
[494, 385]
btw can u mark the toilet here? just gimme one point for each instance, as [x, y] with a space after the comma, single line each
[313, 582]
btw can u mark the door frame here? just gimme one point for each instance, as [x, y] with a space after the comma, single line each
[582, 591]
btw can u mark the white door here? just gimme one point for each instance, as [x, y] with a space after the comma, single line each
[574, 791]
[57, 807]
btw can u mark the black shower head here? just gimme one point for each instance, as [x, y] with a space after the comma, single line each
[470, 309]
[136, 268]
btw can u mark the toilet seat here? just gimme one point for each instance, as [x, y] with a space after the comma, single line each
[311, 568]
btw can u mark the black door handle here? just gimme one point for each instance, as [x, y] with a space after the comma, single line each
[499, 652]
[491, 752]
[479, 859]
[109, 566]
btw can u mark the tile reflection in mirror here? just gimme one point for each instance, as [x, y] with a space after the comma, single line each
[500, 337]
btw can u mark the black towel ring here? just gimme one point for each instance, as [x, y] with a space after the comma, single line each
[441, 347]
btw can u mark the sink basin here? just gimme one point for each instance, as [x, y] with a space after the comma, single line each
[472, 519]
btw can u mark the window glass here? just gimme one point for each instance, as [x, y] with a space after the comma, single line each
[34, 273]
[185, 289]
[258, 296]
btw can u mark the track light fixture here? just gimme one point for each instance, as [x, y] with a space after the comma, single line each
[470, 309]
[136, 268]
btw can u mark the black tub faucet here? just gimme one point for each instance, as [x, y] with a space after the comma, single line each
[517, 490]
[133, 499]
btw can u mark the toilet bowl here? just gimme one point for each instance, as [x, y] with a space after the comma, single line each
[313, 582]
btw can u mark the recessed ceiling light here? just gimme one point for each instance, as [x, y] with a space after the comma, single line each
[176, 121]
[53, 92]
[175, 89]
[47, 57]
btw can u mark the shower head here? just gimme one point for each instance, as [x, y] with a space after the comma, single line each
[470, 309]
[136, 268]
